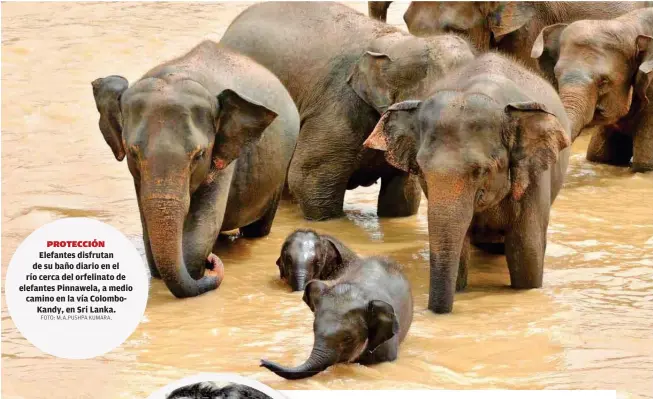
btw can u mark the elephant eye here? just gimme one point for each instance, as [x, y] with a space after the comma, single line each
[199, 155]
[604, 81]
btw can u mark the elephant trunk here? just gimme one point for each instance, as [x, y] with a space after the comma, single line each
[450, 214]
[318, 361]
[579, 101]
[164, 217]
[298, 281]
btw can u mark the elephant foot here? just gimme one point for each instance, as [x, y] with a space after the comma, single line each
[215, 267]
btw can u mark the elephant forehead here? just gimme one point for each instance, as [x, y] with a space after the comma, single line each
[182, 91]
[461, 112]
[599, 36]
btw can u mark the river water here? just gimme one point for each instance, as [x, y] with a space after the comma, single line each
[590, 326]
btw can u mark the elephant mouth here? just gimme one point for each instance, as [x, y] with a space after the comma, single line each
[215, 267]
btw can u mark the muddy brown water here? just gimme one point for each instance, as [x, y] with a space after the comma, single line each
[590, 326]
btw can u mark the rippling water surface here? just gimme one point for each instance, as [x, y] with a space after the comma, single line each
[590, 326]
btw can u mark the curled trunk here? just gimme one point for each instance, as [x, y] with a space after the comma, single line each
[318, 361]
[164, 217]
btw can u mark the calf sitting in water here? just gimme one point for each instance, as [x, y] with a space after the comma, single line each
[362, 317]
[307, 255]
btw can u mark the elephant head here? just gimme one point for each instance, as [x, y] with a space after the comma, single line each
[177, 138]
[470, 154]
[485, 23]
[346, 325]
[398, 67]
[601, 69]
[304, 255]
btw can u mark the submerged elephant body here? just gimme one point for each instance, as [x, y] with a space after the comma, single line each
[307, 255]
[604, 70]
[342, 70]
[362, 316]
[510, 27]
[204, 157]
[489, 148]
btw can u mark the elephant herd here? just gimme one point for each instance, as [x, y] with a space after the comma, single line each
[475, 108]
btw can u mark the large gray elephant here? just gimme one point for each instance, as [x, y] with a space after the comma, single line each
[509, 26]
[343, 70]
[489, 147]
[208, 138]
[604, 71]
[362, 316]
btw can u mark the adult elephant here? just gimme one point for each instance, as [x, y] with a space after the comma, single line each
[208, 138]
[510, 27]
[604, 71]
[490, 148]
[342, 70]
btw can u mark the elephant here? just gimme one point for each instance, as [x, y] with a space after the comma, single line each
[603, 71]
[342, 70]
[510, 27]
[490, 148]
[362, 317]
[204, 155]
[307, 255]
[210, 390]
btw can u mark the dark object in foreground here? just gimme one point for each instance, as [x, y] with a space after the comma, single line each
[208, 390]
[360, 317]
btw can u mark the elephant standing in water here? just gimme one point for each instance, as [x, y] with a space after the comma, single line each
[342, 70]
[510, 27]
[208, 139]
[489, 147]
[604, 71]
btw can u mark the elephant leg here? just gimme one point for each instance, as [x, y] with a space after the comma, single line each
[400, 195]
[609, 146]
[525, 247]
[461, 280]
[324, 160]
[643, 143]
[262, 227]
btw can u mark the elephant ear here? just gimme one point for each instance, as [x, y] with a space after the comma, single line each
[506, 17]
[369, 79]
[312, 293]
[382, 323]
[331, 258]
[644, 75]
[397, 134]
[536, 138]
[239, 123]
[282, 270]
[107, 92]
[547, 49]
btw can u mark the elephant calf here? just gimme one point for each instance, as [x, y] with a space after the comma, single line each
[604, 71]
[204, 155]
[361, 317]
[307, 255]
[489, 147]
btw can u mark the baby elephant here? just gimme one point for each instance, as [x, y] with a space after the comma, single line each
[307, 255]
[360, 317]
